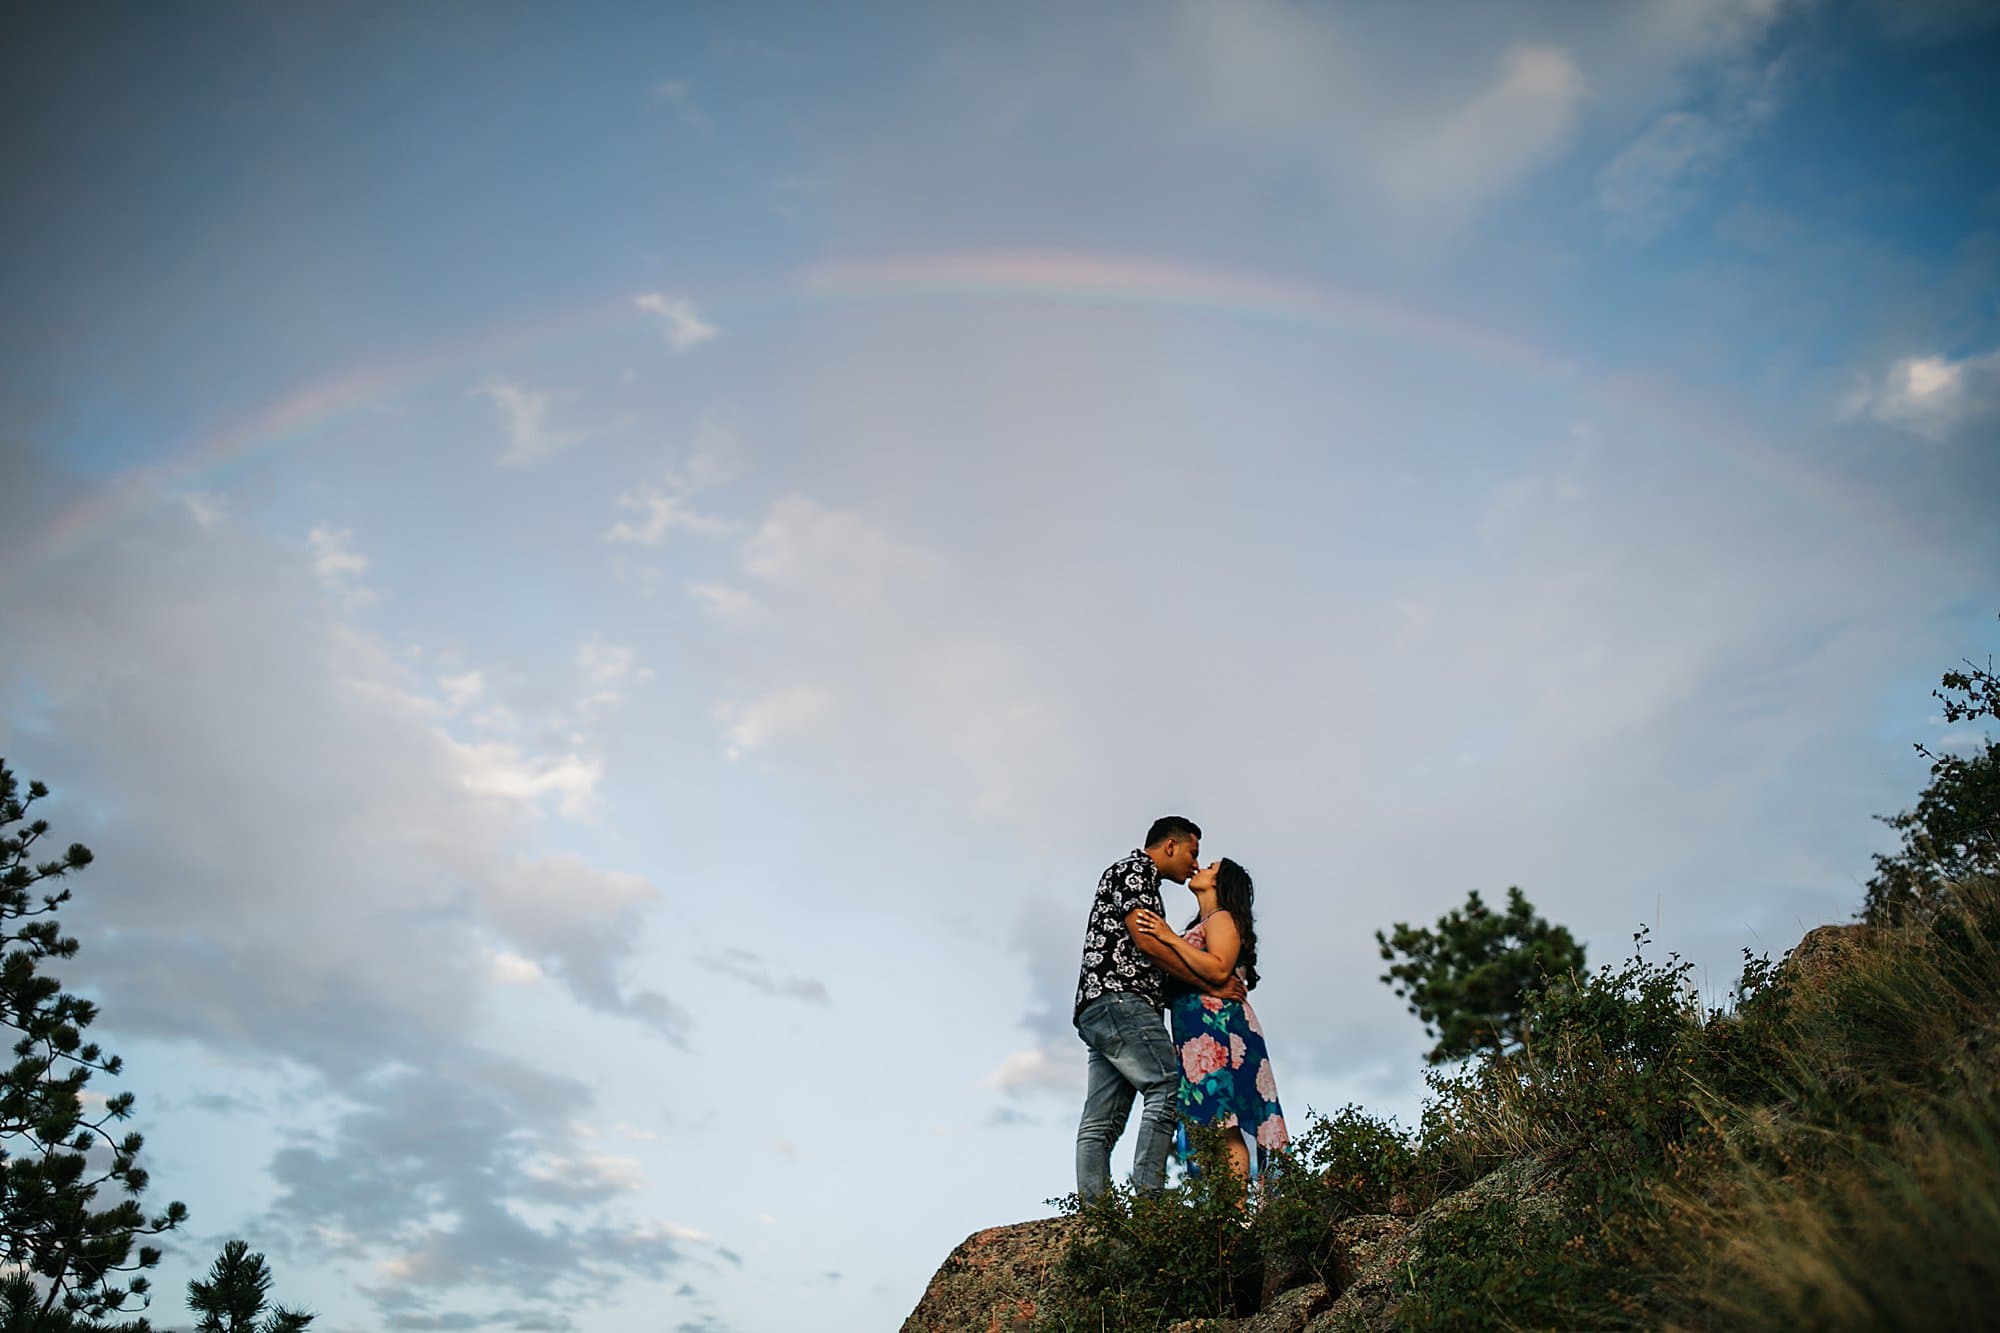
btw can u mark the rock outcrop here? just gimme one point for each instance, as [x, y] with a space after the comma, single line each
[995, 1281]
[1379, 1248]
[999, 1280]
[1823, 953]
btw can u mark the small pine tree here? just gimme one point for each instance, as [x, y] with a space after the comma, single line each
[66, 1237]
[232, 1300]
[1468, 976]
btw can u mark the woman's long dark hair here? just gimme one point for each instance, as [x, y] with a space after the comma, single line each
[1236, 893]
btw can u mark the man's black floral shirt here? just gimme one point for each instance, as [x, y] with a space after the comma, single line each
[1111, 962]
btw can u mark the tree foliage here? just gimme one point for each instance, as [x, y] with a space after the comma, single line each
[232, 1300]
[70, 1217]
[1466, 977]
[1953, 833]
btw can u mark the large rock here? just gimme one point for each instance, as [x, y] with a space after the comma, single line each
[1824, 952]
[1379, 1249]
[996, 1281]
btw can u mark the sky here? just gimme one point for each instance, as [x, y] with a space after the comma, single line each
[603, 581]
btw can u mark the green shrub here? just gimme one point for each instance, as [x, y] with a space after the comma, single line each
[1342, 1165]
[1504, 1266]
[1140, 1262]
[1600, 1097]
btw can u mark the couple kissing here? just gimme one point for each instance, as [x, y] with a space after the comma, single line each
[1213, 1069]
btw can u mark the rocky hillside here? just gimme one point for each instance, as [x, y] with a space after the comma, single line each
[1817, 1155]
[1003, 1279]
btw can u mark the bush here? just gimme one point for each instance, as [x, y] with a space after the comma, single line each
[1341, 1166]
[1140, 1262]
[1598, 1099]
[1503, 1266]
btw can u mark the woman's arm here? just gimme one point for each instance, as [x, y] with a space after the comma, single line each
[1213, 966]
[1176, 959]
[1158, 950]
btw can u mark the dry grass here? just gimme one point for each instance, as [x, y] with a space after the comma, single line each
[1859, 1186]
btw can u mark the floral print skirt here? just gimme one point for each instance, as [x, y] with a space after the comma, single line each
[1226, 1077]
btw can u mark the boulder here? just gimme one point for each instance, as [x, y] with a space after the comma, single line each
[995, 1281]
[1825, 951]
[1379, 1248]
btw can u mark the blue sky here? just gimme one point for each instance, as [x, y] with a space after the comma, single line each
[603, 584]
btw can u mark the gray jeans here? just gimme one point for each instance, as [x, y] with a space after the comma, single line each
[1130, 1053]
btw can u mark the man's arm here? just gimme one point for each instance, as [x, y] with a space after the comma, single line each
[1173, 965]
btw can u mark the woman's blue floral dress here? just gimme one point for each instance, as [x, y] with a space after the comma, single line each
[1226, 1077]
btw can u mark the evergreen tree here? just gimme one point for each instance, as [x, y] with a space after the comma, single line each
[1468, 976]
[69, 1187]
[232, 1300]
[1953, 834]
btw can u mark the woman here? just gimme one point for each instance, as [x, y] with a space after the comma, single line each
[1226, 1078]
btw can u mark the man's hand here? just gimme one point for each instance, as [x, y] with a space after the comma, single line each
[1235, 990]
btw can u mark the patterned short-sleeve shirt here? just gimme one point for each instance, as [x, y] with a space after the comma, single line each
[1111, 962]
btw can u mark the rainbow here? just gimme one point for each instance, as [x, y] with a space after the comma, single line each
[1031, 277]
[297, 417]
[1095, 280]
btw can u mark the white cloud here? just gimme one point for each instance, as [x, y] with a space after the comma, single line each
[636, 1133]
[667, 506]
[530, 436]
[607, 670]
[1508, 129]
[609, 665]
[685, 326]
[575, 921]
[339, 566]
[757, 722]
[831, 552]
[1932, 396]
[298, 836]
[510, 969]
[657, 1228]
[1038, 1069]
[463, 690]
[495, 768]
[1655, 177]
[335, 560]
[726, 603]
[662, 511]
[1305, 87]
[588, 1176]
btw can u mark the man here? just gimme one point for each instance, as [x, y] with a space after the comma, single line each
[1120, 1000]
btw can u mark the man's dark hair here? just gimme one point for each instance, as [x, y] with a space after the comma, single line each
[1171, 826]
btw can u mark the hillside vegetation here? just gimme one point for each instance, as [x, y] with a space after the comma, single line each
[1822, 1151]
